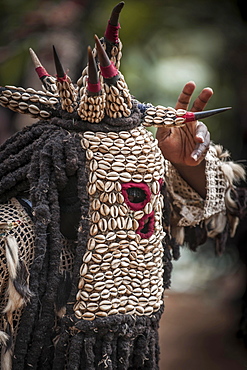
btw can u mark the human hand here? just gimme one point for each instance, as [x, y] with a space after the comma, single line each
[186, 145]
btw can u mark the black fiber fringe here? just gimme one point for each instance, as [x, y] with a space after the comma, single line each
[122, 342]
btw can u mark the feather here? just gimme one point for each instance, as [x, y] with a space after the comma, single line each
[12, 255]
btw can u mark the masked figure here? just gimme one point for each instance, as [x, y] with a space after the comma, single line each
[90, 216]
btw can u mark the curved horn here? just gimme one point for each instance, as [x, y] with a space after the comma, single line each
[111, 33]
[47, 80]
[111, 37]
[115, 86]
[115, 13]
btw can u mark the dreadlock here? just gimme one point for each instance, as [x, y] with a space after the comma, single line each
[40, 160]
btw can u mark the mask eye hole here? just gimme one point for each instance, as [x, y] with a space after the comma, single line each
[136, 195]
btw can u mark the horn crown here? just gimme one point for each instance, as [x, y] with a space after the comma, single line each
[100, 91]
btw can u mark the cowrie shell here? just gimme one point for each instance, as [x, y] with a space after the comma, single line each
[14, 103]
[93, 230]
[33, 109]
[104, 165]
[101, 314]
[118, 166]
[88, 316]
[102, 225]
[95, 217]
[109, 186]
[112, 176]
[83, 269]
[101, 248]
[44, 114]
[112, 224]
[104, 197]
[125, 177]
[105, 305]
[104, 210]
[96, 204]
[87, 257]
[112, 197]
[99, 285]
[114, 211]
[99, 238]
[88, 287]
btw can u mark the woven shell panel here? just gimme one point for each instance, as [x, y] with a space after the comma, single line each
[122, 268]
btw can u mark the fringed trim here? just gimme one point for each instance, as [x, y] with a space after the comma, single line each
[233, 174]
[4, 338]
[18, 291]
[6, 351]
[6, 359]
[220, 211]
[15, 300]
[118, 342]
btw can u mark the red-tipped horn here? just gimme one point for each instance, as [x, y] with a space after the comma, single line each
[111, 33]
[48, 81]
[41, 71]
[115, 13]
[108, 70]
[193, 116]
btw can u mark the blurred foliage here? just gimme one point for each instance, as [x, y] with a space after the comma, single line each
[166, 44]
[200, 271]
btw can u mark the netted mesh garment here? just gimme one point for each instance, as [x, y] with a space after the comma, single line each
[191, 208]
[15, 225]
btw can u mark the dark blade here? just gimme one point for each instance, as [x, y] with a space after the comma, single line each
[103, 57]
[208, 113]
[59, 67]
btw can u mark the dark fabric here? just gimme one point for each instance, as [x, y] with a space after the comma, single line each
[116, 342]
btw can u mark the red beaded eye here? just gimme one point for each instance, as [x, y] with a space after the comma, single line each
[136, 196]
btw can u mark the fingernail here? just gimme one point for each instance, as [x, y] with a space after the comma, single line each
[200, 137]
[195, 156]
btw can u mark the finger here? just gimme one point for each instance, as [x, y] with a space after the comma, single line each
[185, 96]
[201, 149]
[202, 100]
[201, 133]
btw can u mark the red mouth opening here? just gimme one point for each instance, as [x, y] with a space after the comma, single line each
[146, 226]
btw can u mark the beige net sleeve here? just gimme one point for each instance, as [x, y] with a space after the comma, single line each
[188, 207]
